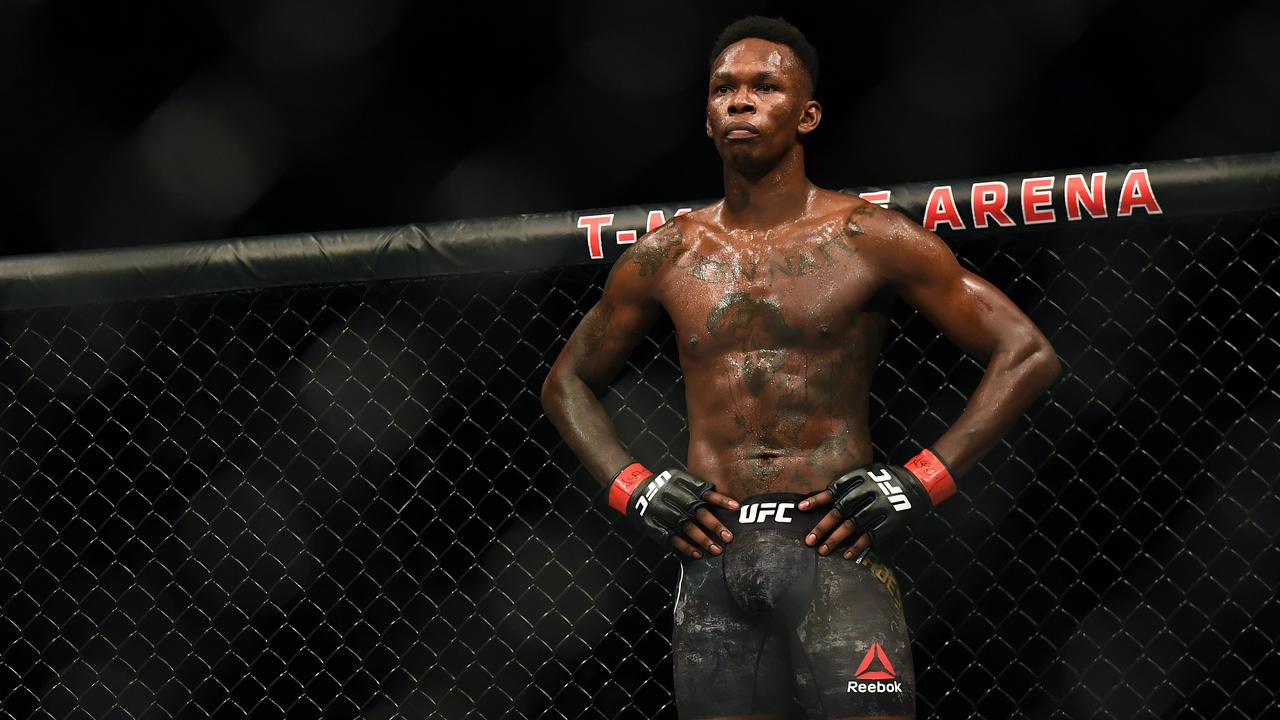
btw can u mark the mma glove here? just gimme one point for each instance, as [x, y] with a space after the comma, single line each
[659, 504]
[881, 498]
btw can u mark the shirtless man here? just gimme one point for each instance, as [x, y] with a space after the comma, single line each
[780, 295]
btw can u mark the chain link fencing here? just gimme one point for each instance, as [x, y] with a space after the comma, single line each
[346, 501]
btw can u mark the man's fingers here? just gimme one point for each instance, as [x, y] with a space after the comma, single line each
[695, 533]
[822, 498]
[824, 526]
[721, 500]
[859, 549]
[685, 547]
[716, 527]
[842, 532]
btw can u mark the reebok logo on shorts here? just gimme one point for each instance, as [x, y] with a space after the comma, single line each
[761, 512]
[874, 679]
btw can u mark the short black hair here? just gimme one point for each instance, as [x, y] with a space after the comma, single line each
[775, 30]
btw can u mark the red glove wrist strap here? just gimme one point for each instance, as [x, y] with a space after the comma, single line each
[933, 474]
[626, 483]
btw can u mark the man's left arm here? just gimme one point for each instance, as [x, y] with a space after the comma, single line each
[1019, 362]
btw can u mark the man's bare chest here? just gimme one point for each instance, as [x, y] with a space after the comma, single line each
[806, 290]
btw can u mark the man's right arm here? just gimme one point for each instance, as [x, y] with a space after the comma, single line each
[671, 505]
[594, 356]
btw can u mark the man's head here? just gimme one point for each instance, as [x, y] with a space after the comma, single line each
[775, 30]
[760, 94]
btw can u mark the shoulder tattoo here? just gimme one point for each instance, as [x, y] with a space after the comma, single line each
[853, 226]
[651, 251]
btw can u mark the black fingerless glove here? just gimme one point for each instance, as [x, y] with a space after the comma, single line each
[658, 504]
[882, 498]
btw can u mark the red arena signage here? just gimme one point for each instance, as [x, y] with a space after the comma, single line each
[989, 201]
[962, 206]
[595, 225]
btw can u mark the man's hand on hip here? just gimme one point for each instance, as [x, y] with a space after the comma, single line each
[875, 503]
[671, 506]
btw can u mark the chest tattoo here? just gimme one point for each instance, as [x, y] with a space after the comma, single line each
[827, 252]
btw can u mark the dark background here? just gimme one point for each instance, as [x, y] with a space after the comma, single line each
[129, 123]
[346, 501]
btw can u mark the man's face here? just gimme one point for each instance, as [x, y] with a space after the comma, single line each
[758, 103]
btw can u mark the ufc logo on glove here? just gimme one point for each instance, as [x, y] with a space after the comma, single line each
[642, 503]
[892, 492]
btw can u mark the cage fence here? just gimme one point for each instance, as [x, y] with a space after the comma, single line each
[345, 500]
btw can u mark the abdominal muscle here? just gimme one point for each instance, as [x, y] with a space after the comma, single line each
[780, 414]
[752, 450]
[743, 478]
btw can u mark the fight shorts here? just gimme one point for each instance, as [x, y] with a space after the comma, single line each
[770, 620]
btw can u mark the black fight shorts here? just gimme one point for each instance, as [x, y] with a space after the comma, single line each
[770, 619]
